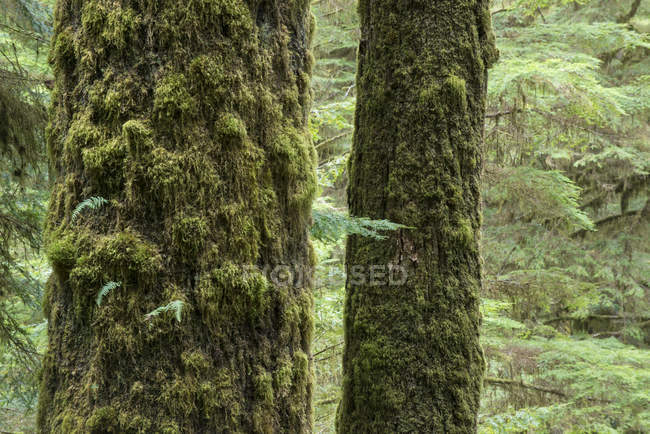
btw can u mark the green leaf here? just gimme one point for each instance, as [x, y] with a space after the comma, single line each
[176, 306]
[94, 202]
[108, 287]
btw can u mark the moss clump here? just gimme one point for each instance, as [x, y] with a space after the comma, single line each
[455, 92]
[82, 134]
[173, 103]
[103, 419]
[264, 387]
[231, 129]
[103, 164]
[195, 362]
[113, 25]
[138, 137]
[62, 252]
[63, 54]
[429, 95]
[188, 237]
[465, 234]
[243, 293]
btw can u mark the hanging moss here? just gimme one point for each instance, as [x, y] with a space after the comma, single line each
[190, 118]
[412, 360]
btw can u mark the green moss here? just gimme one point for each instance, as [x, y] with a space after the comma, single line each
[188, 237]
[167, 427]
[82, 134]
[137, 388]
[283, 379]
[455, 92]
[135, 423]
[103, 419]
[465, 234]
[103, 164]
[114, 25]
[245, 290]
[231, 129]
[173, 105]
[70, 423]
[301, 372]
[195, 362]
[429, 94]
[264, 386]
[165, 174]
[62, 252]
[138, 137]
[63, 54]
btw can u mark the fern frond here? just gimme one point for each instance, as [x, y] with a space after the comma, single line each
[94, 202]
[330, 225]
[176, 306]
[108, 287]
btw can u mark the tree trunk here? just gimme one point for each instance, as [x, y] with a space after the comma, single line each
[190, 119]
[412, 359]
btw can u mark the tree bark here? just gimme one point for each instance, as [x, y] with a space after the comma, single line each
[190, 119]
[412, 359]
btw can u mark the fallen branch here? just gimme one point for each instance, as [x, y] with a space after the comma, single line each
[327, 401]
[594, 316]
[605, 221]
[504, 382]
[332, 139]
[503, 113]
[327, 349]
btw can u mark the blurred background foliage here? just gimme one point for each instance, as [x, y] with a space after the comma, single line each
[566, 217]
[25, 31]
[566, 298]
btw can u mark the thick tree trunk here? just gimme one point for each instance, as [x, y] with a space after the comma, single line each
[412, 360]
[190, 118]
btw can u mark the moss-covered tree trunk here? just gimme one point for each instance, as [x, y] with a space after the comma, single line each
[412, 360]
[189, 117]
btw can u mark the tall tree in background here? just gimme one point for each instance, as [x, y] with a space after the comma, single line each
[25, 28]
[189, 120]
[412, 360]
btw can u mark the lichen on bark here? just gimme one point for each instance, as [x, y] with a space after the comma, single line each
[190, 119]
[412, 360]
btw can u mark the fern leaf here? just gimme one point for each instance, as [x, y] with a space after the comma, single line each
[108, 287]
[330, 225]
[94, 202]
[175, 306]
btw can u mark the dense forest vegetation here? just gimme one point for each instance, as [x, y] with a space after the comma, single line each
[565, 299]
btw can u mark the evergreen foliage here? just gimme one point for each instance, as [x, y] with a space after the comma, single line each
[330, 225]
[25, 27]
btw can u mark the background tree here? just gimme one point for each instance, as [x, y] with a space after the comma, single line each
[25, 29]
[412, 360]
[178, 155]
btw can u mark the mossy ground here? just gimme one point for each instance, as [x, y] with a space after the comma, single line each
[190, 118]
[412, 360]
